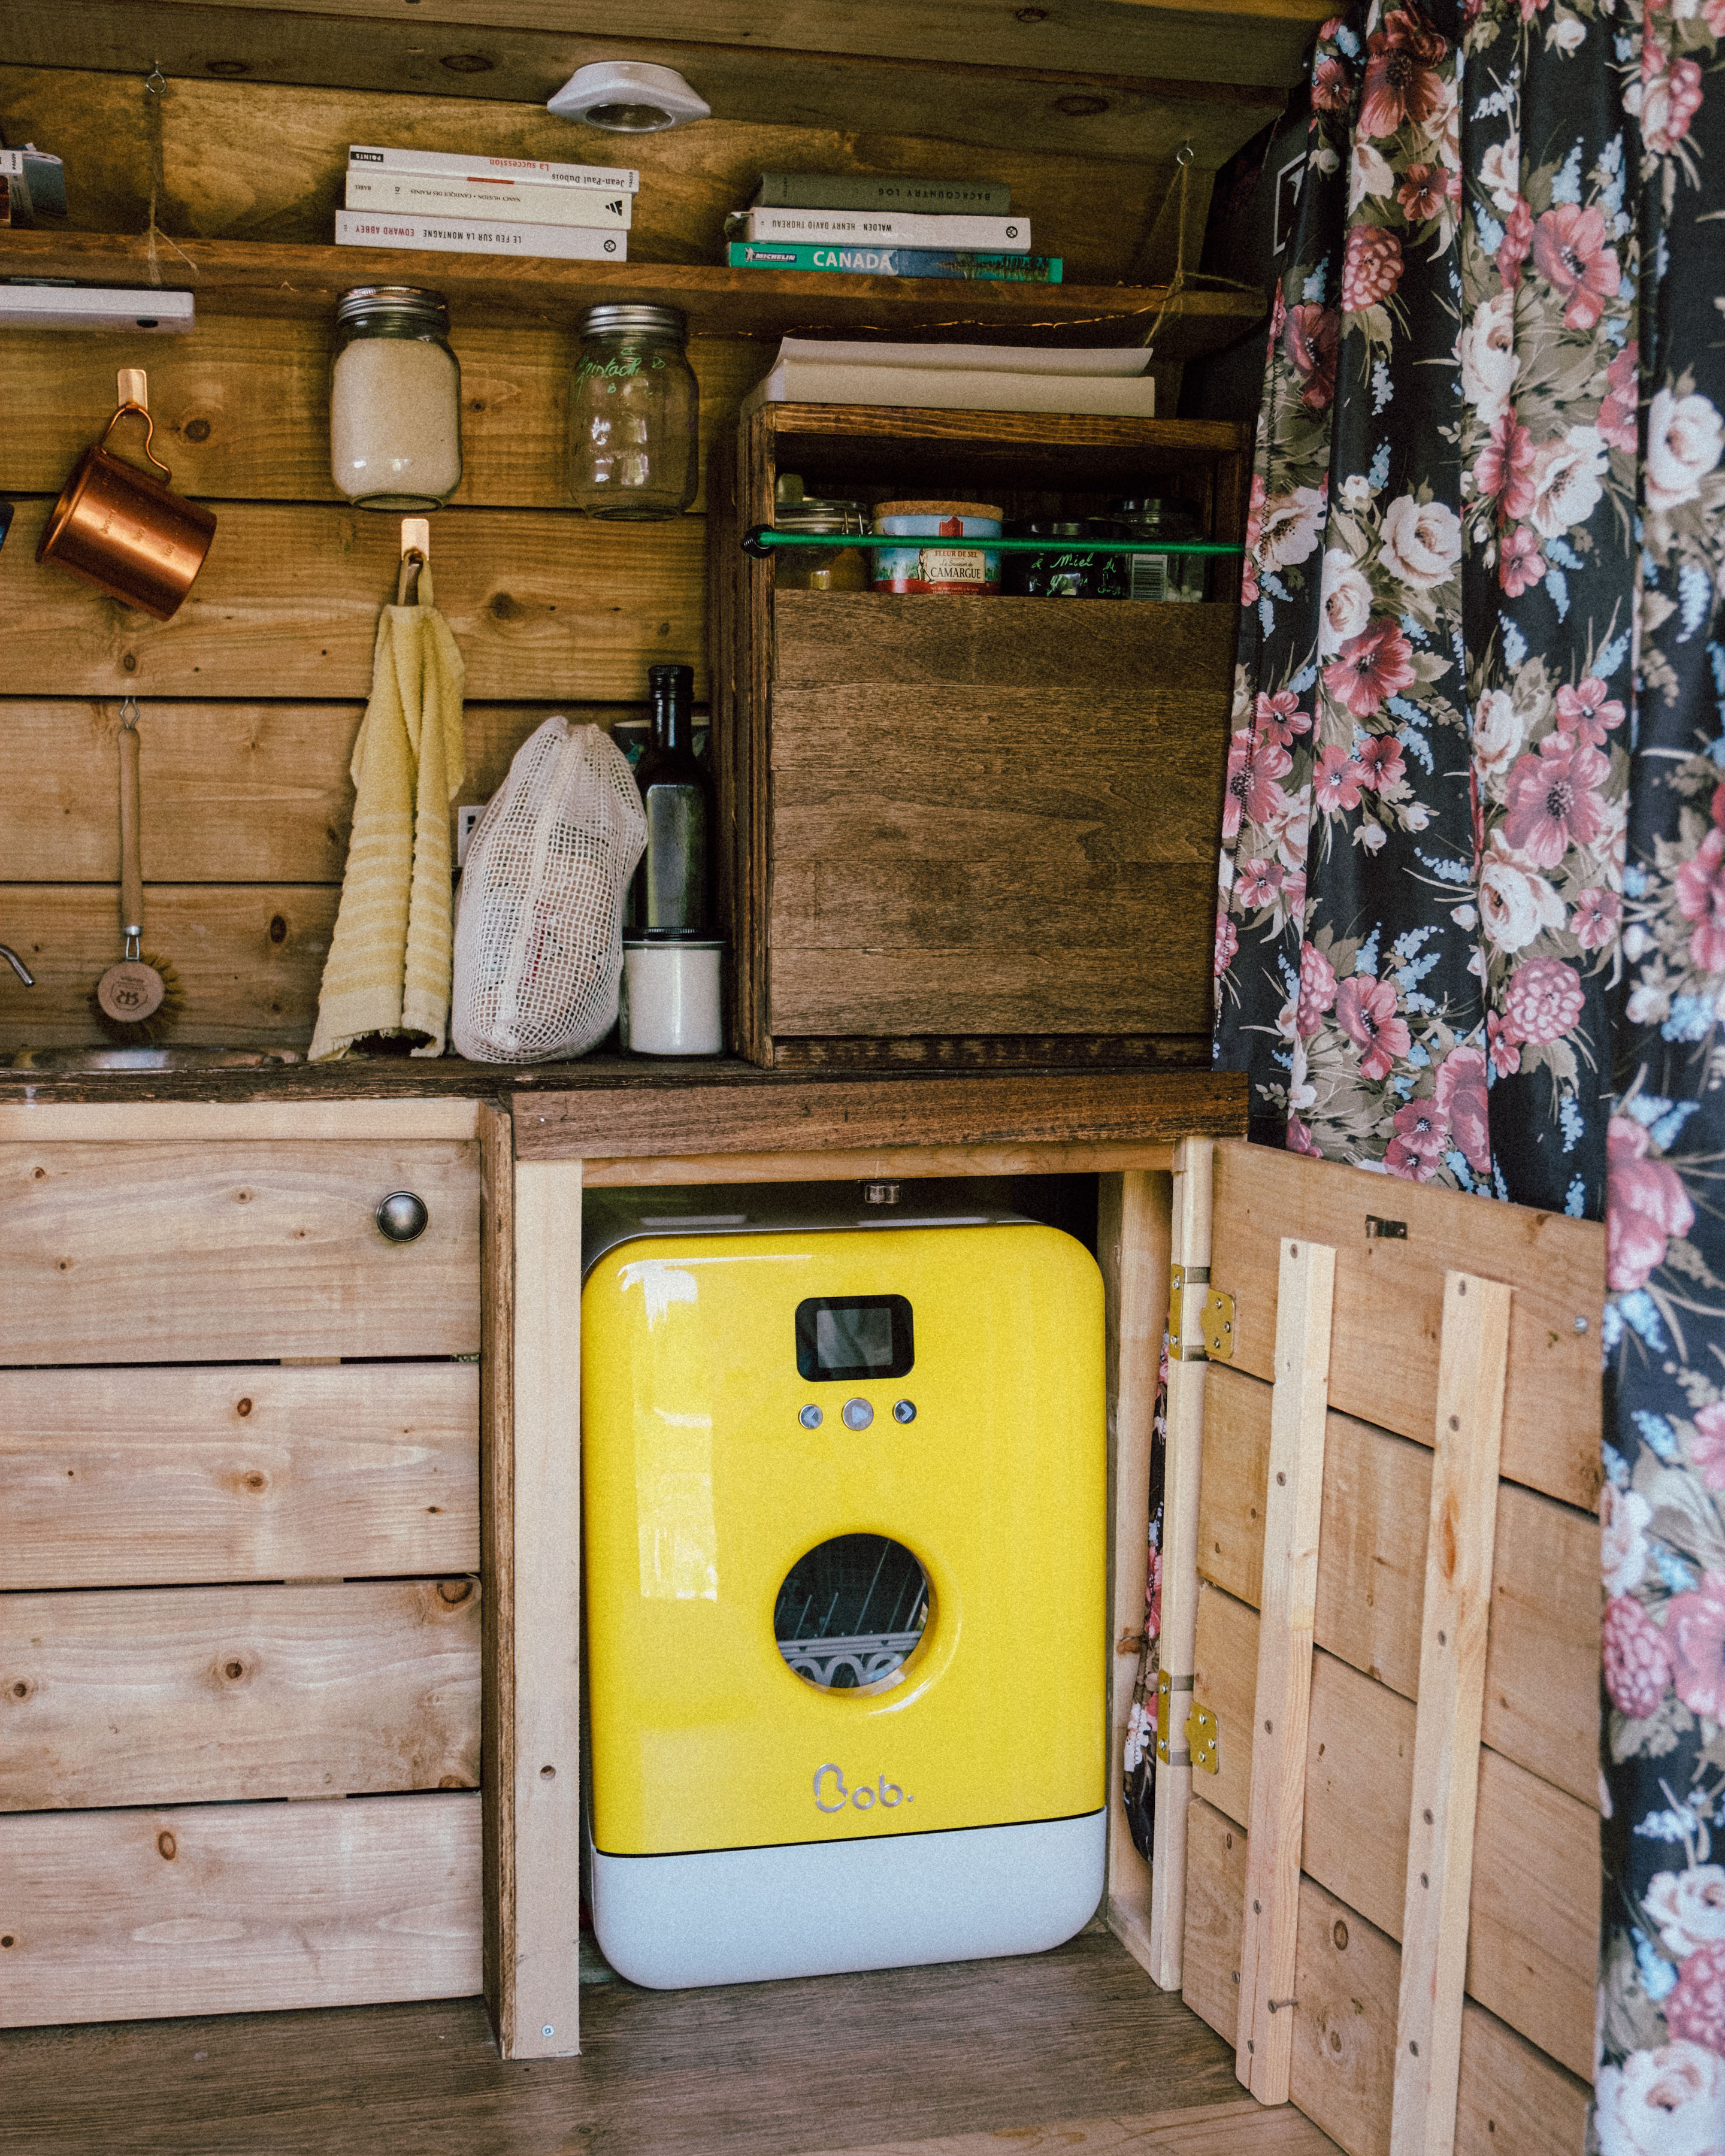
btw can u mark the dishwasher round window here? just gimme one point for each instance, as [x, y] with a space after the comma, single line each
[851, 1611]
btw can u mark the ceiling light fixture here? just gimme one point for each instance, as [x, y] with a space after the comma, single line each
[628, 97]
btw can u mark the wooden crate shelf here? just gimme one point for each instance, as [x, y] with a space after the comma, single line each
[265, 278]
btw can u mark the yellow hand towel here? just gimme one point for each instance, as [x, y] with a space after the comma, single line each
[388, 967]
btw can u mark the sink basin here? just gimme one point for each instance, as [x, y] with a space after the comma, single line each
[73, 1060]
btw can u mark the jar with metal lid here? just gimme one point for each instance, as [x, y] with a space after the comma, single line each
[1067, 571]
[820, 568]
[1153, 575]
[634, 415]
[395, 399]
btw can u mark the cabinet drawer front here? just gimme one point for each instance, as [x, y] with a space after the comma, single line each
[132, 1477]
[231, 1252]
[238, 1908]
[177, 1695]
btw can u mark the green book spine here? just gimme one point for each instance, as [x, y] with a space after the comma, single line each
[896, 262]
[881, 190]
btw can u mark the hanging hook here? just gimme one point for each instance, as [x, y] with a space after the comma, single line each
[156, 82]
[415, 553]
[129, 714]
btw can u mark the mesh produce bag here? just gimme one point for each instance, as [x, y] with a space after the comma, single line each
[539, 927]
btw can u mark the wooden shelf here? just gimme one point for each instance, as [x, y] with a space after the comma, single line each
[259, 277]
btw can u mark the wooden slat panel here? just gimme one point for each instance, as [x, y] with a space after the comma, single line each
[752, 1115]
[1389, 1293]
[846, 640]
[1541, 1672]
[1151, 980]
[239, 1908]
[147, 1477]
[249, 958]
[1534, 1906]
[187, 1695]
[290, 596]
[242, 409]
[226, 1253]
[258, 793]
[879, 1163]
[1513, 2101]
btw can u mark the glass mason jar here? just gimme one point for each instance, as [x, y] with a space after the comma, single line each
[1153, 575]
[820, 568]
[395, 399]
[633, 415]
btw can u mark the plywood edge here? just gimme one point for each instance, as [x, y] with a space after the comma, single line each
[84, 1122]
[866, 1164]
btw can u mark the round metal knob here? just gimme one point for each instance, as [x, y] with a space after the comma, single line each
[402, 1217]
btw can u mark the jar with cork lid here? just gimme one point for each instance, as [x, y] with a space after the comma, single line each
[395, 399]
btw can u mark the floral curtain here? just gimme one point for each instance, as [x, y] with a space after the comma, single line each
[1472, 918]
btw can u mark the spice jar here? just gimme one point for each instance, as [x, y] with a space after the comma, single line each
[1159, 576]
[820, 568]
[1067, 571]
[633, 415]
[395, 399]
[937, 569]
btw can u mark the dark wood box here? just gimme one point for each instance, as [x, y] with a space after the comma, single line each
[971, 830]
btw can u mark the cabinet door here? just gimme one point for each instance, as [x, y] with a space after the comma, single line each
[232, 1251]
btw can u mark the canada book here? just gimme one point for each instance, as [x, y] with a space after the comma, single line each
[881, 191]
[898, 262]
[568, 243]
[428, 194]
[863, 228]
[456, 164]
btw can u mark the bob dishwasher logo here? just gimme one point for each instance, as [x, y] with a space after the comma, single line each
[831, 1794]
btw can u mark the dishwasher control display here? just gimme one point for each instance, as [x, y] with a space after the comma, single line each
[842, 1338]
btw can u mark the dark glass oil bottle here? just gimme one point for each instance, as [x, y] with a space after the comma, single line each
[671, 895]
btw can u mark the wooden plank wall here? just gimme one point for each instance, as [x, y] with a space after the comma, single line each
[1528, 2026]
[251, 695]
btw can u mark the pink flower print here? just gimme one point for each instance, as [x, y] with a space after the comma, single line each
[1570, 252]
[1312, 340]
[1701, 898]
[1695, 2009]
[1520, 563]
[1670, 98]
[1401, 79]
[1516, 244]
[1503, 470]
[1251, 793]
[1646, 1205]
[1366, 1011]
[1503, 1045]
[1370, 667]
[1695, 1635]
[1254, 533]
[1278, 719]
[1293, 889]
[1422, 1131]
[1637, 1662]
[1371, 267]
[1331, 82]
[1554, 801]
[1594, 921]
[1153, 1593]
[1542, 1000]
[1337, 780]
[1381, 762]
[1300, 1139]
[1460, 1094]
[1317, 990]
[1227, 943]
[1713, 15]
[1708, 1448]
[1257, 883]
[1616, 422]
[1589, 710]
[1426, 192]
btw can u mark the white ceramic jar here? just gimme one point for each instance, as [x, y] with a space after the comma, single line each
[395, 399]
[671, 1003]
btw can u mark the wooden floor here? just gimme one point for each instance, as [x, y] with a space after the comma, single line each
[1074, 2050]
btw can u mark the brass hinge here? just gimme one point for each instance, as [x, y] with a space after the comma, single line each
[1201, 1731]
[1200, 1317]
[1201, 1734]
[1166, 1686]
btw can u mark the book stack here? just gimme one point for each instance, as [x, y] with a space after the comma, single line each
[959, 377]
[879, 226]
[458, 205]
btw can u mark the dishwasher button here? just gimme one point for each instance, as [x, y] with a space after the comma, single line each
[857, 1415]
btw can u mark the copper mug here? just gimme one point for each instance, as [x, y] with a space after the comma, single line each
[124, 530]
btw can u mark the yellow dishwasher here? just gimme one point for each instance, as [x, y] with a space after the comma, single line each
[846, 1502]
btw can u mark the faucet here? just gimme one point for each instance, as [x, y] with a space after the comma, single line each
[17, 965]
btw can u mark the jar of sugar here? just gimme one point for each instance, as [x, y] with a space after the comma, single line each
[634, 415]
[395, 399]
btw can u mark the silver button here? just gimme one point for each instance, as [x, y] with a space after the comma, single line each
[904, 1410]
[810, 1418]
[857, 1415]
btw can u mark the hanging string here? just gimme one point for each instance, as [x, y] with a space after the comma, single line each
[155, 91]
[1184, 281]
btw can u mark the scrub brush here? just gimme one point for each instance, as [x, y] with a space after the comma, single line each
[140, 999]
